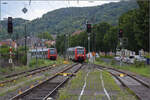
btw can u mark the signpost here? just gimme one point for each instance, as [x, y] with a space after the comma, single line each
[10, 55]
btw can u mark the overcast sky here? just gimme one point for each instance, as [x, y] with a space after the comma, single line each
[38, 8]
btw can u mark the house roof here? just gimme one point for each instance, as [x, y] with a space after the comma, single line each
[77, 32]
[12, 43]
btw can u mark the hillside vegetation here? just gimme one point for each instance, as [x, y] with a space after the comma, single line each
[68, 20]
[104, 36]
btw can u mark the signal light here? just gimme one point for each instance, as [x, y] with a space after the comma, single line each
[10, 25]
[89, 28]
[10, 49]
[120, 33]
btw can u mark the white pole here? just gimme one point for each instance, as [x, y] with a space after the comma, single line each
[121, 52]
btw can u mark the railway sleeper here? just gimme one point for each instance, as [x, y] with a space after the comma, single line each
[40, 92]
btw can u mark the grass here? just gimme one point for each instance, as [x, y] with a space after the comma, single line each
[93, 88]
[80, 77]
[143, 70]
[106, 56]
[32, 65]
[14, 88]
[110, 85]
[93, 80]
[147, 55]
[76, 84]
[64, 94]
[24, 81]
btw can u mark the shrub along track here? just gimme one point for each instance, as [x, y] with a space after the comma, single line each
[138, 87]
[16, 76]
[48, 87]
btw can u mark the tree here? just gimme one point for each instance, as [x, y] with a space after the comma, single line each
[100, 30]
[4, 51]
[142, 20]
[110, 39]
[127, 22]
[45, 35]
[135, 24]
[79, 40]
[60, 43]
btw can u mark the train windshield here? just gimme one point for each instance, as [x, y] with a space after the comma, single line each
[52, 51]
[80, 52]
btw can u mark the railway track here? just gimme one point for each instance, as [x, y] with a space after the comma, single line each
[17, 76]
[136, 86]
[49, 87]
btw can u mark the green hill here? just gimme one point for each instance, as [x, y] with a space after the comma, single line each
[67, 20]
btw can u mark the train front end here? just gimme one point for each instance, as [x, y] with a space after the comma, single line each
[52, 54]
[80, 54]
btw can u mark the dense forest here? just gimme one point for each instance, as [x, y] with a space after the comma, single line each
[68, 20]
[135, 26]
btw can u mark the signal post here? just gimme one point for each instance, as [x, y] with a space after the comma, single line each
[88, 27]
[89, 30]
[10, 31]
[120, 36]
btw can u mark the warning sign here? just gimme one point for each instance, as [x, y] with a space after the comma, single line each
[10, 60]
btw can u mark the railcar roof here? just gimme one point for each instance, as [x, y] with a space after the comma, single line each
[73, 48]
[40, 49]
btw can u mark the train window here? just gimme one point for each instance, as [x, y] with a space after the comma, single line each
[80, 49]
[33, 53]
[52, 51]
[80, 52]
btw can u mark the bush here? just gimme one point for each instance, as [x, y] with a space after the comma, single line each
[98, 59]
[23, 59]
[139, 64]
[5, 70]
[113, 62]
[41, 61]
[107, 56]
[33, 62]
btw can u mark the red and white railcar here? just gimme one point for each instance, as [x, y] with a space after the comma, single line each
[47, 53]
[77, 53]
[52, 53]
